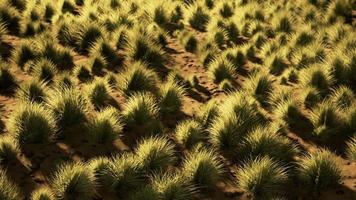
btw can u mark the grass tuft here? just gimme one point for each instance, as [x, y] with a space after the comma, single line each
[7, 78]
[138, 78]
[262, 178]
[141, 111]
[265, 142]
[43, 193]
[199, 19]
[351, 148]
[8, 190]
[221, 69]
[203, 168]
[44, 70]
[68, 106]
[74, 180]
[32, 91]
[171, 96]
[173, 186]
[155, 154]
[105, 126]
[190, 133]
[122, 176]
[99, 93]
[319, 171]
[8, 149]
[32, 123]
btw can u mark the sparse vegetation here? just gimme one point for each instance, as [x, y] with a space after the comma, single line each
[177, 99]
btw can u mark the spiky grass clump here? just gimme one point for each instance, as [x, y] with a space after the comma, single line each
[191, 44]
[99, 93]
[105, 49]
[64, 80]
[49, 12]
[311, 97]
[276, 64]
[175, 76]
[82, 73]
[199, 18]
[173, 186]
[260, 85]
[68, 6]
[122, 175]
[97, 64]
[32, 123]
[43, 193]
[237, 116]
[112, 79]
[105, 127]
[143, 47]
[8, 149]
[263, 141]
[44, 70]
[289, 111]
[141, 111]
[62, 57]
[155, 154]
[237, 57]
[145, 193]
[203, 168]
[318, 77]
[226, 10]
[87, 35]
[208, 112]
[338, 67]
[227, 86]
[11, 17]
[171, 96]
[8, 190]
[221, 69]
[351, 148]
[7, 79]
[281, 94]
[98, 165]
[340, 8]
[138, 78]
[319, 171]
[74, 181]
[262, 178]
[68, 105]
[351, 120]
[3, 31]
[328, 121]
[24, 53]
[190, 133]
[32, 91]
[283, 24]
[343, 97]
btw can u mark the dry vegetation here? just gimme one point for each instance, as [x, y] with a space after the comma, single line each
[177, 99]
